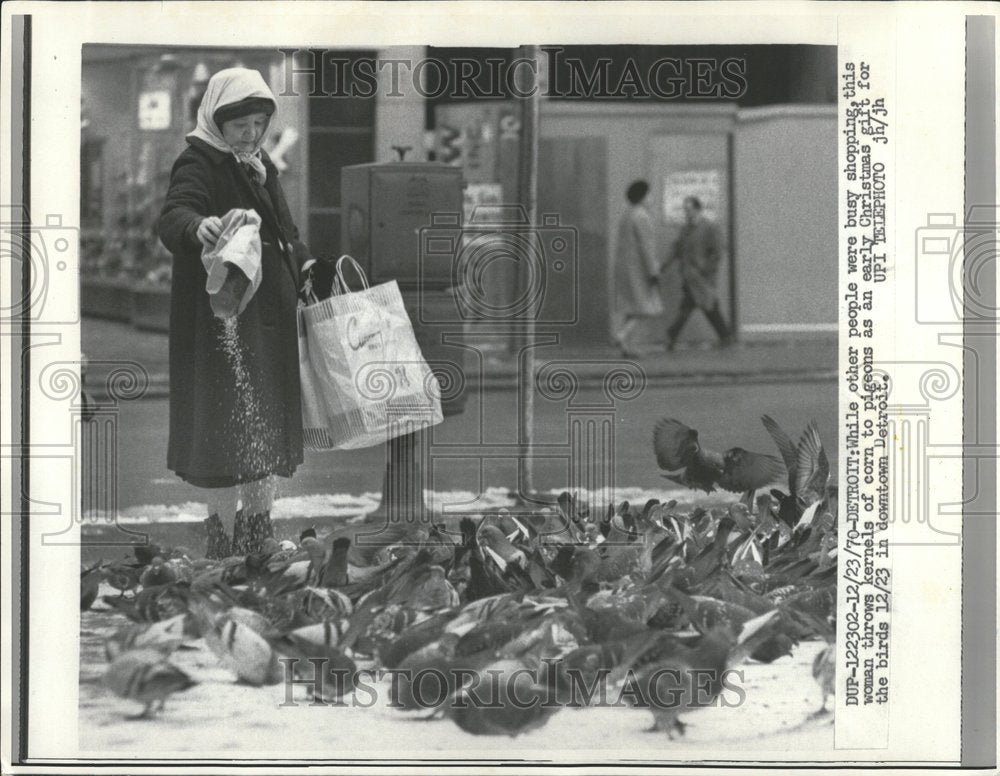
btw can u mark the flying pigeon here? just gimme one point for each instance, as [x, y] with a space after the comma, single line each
[686, 462]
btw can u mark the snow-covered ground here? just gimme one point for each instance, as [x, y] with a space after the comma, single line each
[222, 717]
[347, 505]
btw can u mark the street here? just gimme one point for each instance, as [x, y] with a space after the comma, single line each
[726, 415]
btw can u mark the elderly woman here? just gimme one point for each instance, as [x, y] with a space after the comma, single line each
[235, 412]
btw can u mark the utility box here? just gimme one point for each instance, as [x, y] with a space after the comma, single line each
[385, 211]
[385, 207]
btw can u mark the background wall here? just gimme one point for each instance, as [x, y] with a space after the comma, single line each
[109, 117]
[786, 219]
[780, 160]
[784, 197]
[626, 131]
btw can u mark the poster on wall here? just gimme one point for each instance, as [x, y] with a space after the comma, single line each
[704, 184]
[482, 196]
[154, 110]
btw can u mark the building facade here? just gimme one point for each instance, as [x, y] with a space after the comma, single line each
[764, 163]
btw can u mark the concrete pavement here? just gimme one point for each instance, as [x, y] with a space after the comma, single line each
[777, 361]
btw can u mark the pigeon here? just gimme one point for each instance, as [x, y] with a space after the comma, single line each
[335, 570]
[666, 684]
[152, 604]
[308, 533]
[509, 695]
[90, 583]
[686, 462]
[512, 701]
[243, 651]
[146, 676]
[144, 553]
[824, 671]
[429, 589]
[583, 671]
[164, 637]
[807, 465]
[427, 677]
[498, 547]
[157, 573]
[318, 658]
[123, 577]
[669, 675]
[414, 638]
[713, 557]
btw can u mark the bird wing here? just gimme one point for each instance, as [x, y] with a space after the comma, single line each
[785, 446]
[674, 444]
[745, 470]
[813, 469]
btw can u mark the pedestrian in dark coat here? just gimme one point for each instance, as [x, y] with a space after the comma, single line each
[235, 407]
[697, 250]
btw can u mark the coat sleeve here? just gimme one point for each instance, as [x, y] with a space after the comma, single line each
[300, 251]
[711, 249]
[189, 200]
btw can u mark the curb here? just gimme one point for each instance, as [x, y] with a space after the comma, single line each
[159, 386]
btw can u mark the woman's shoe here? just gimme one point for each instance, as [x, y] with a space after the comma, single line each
[217, 541]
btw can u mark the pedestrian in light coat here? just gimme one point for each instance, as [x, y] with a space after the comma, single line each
[637, 266]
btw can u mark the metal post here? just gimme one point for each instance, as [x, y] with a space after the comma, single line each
[528, 195]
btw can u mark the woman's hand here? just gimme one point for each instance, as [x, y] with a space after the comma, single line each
[209, 231]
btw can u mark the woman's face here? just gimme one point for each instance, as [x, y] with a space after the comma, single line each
[244, 133]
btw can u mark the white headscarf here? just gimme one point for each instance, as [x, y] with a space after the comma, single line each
[225, 88]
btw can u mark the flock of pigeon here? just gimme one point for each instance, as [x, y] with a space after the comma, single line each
[652, 602]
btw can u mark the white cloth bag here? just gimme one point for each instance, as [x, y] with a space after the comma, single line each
[238, 244]
[364, 378]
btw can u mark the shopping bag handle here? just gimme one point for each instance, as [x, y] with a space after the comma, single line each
[357, 271]
[308, 293]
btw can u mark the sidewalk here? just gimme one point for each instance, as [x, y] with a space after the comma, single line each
[779, 361]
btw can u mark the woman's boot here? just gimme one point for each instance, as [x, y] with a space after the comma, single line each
[217, 541]
[250, 532]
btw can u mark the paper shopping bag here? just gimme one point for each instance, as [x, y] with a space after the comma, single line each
[367, 379]
[315, 430]
[239, 244]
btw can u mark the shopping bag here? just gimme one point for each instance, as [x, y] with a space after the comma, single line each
[364, 378]
[239, 245]
[315, 430]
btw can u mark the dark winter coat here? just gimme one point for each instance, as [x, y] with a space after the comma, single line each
[234, 416]
[698, 250]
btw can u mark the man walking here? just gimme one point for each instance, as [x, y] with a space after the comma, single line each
[697, 251]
